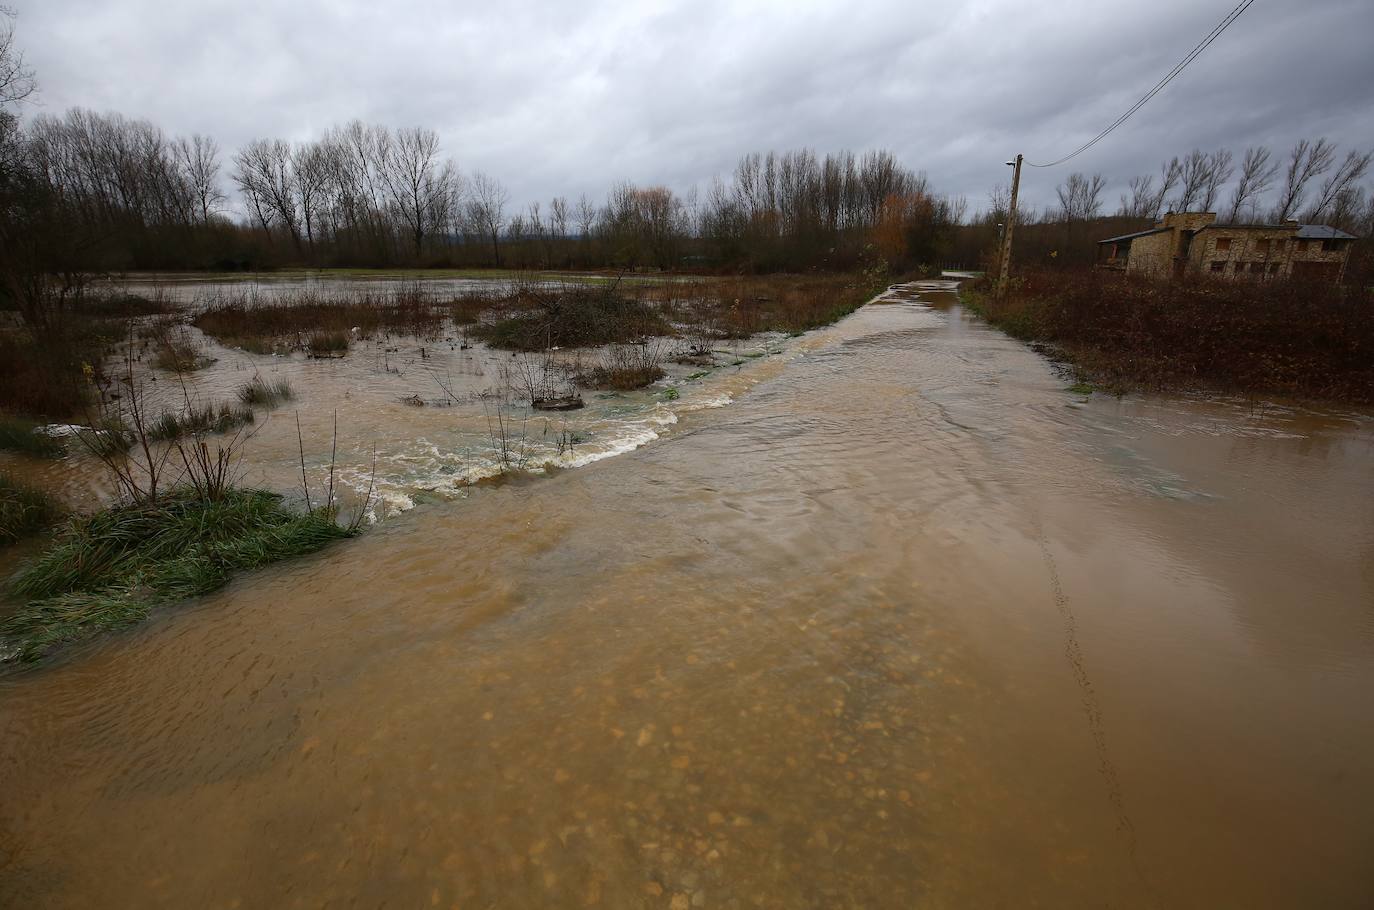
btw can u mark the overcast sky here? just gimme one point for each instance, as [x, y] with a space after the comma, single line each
[555, 97]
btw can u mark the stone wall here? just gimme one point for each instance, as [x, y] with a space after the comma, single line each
[1152, 255]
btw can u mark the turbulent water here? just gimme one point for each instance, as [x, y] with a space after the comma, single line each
[905, 624]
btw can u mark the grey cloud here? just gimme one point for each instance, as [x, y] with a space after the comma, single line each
[554, 97]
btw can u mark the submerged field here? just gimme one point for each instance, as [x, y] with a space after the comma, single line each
[397, 393]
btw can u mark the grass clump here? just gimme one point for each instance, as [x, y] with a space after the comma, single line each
[260, 325]
[328, 344]
[179, 354]
[23, 510]
[198, 421]
[26, 438]
[260, 392]
[108, 570]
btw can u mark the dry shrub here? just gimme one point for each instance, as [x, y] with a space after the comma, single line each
[254, 323]
[1308, 340]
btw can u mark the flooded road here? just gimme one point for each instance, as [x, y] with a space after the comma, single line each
[905, 624]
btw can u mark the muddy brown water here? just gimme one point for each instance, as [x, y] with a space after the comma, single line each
[905, 624]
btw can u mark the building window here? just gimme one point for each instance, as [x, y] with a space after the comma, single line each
[1223, 244]
[1257, 268]
[1330, 246]
[1219, 265]
[1273, 268]
[1302, 246]
[1262, 246]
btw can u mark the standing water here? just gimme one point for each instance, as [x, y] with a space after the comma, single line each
[906, 624]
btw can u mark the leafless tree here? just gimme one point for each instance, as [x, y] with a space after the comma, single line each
[1308, 161]
[1350, 172]
[1219, 169]
[1257, 174]
[1080, 197]
[1171, 172]
[16, 79]
[1141, 201]
[263, 172]
[1193, 180]
[422, 187]
[486, 210]
[198, 159]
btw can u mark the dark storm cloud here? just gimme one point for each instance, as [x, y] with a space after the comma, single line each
[555, 97]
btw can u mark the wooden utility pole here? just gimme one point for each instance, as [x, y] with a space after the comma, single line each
[1005, 263]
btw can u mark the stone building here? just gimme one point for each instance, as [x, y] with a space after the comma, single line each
[1193, 243]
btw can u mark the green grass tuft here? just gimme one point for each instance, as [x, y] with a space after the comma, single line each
[196, 421]
[23, 510]
[260, 392]
[108, 570]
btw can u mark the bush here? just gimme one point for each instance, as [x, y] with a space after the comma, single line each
[625, 367]
[1278, 337]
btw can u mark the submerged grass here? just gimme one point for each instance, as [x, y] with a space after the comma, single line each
[109, 570]
[196, 421]
[24, 510]
[259, 324]
[262, 393]
[26, 438]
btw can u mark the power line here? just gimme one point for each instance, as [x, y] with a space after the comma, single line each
[1159, 86]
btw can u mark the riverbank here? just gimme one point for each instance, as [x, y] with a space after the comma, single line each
[1285, 339]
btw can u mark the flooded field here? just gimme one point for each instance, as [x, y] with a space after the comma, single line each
[884, 617]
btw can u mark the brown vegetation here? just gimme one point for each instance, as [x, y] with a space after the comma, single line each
[257, 324]
[1277, 338]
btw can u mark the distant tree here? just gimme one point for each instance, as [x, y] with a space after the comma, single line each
[1219, 170]
[16, 79]
[422, 188]
[486, 211]
[1141, 201]
[1307, 161]
[1257, 174]
[263, 172]
[1080, 197]
[1171, 172]
[1350, 172]
[198, 160]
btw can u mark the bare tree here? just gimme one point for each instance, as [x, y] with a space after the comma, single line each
[1193, 180]
[1141, 201]
[422, 187]
[1080, 197]
[1219, 172]
[486, 210]
[16, 79]
[1351, 171]
[1257, 174]
[1308, 161]
[262, 170]
[198, 159]
[1171, 172]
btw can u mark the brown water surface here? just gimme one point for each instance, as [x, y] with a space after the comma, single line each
[905, 624]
